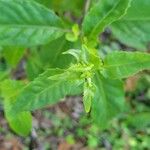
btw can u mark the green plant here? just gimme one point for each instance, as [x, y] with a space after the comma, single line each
[67, 58]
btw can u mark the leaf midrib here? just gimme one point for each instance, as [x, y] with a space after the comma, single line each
[35, 95]
[45, 89]
[31, 26]
[127, 64]
[135, 19]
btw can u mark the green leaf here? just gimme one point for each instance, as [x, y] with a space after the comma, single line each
[10, 88]
[25, 22]
[48, 56]
[73, 36]
[133, 29]
[75, 53]
[61, 6]
[21, 123]
[34, 66]
[88, 95]
[3, 75]
[124, 64]
[139, 120]
[87, 56]
[52, 53]
[108, 101]
[47, 89]
[103, 14]
[13, 55]
[90, 55]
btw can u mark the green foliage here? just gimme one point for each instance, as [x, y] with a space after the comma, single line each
[47, 88]
[48, 56]
[102, 14]
[58, 65]
[124, 64]
[133, 28]
[61, 6]
[20, 123]
[88, 95]
[139, 120]
[27, 23]
[72, 37]
[13, 55]
[109, 100]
